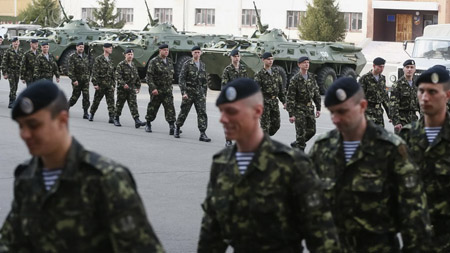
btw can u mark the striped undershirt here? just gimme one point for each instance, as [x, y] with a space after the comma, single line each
[50, 177]
[243, 159]
[350, 148]
[432, 132]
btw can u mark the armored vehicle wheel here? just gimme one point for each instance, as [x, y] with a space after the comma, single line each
[64, 61]
[325, 77]
[348, 72]
[214, 82]
[179, 65]
[283, 74]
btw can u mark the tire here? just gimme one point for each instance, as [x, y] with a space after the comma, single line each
[64, 61]
[179, 65]
[348, 72]
[283, 75]
[214, 82]
[325, 77]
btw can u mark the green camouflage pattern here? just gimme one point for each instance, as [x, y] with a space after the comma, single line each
[272, 89]
[11, 68]
[93, 207]
[2, 52]
[127, 74]
[230, 73]
[403, 102]
[377, 97]
[193, 84]
[103, 77]
[434, 164]
[27, 66]
[79, 70]
[273, 206]
[300, 96]
[376, 194]
[45, 69]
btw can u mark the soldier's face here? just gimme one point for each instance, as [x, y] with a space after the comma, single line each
[304, 65]
[80, 49]
[196, 54]
[1, 41]
[107, 50]
[164, 52]
[409, 70]
[129, 56]
[45, 49]
[378, 69]
[268, 62]
[235, 59]
[432, 98]
[16, 43]
[348, 116]
[43, 134]
[34, 46]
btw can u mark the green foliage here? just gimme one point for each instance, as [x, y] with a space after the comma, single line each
[322, 22]
[104, 16]
[41, 12]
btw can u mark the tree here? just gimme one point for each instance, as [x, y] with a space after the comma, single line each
[322, 22]
[104, 16]
[42, 12]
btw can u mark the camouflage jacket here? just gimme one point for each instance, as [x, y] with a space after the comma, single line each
[378, 192]
[79, 69]
[403, 98]
[192, 79]
[45, 69]
[126, 74]
[27, 65]
[300, 94]
[11, 61]
[375, 91]
[271, 85]
[103, 72]
[230, 73]
[273, 206]
[93, 207]
[2, 52]
[160, 75]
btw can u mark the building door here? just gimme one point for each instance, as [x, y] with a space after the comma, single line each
[404, 27]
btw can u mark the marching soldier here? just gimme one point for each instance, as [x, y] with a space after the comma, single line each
[2, 51]
[45, 65]
[28, 63]
[80, 73]
[11, 68]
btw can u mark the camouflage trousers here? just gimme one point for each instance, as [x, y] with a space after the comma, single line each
[166, 99]
[13, 84]
[270, 119]
[375, 114]
[305, 127]
[370, 243]
[81, 88]
[109, 94]
[200, 107]
[129, 96]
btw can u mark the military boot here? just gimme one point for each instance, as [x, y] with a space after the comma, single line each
[177, 132]
[86, 114]
[171, 128]
[148, 127]
[111, 120]
[117, 121]
[91, 117]
[203, 137]
[11, 102]
[138, 123]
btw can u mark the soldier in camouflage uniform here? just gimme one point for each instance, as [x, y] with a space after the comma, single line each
[262, 196]
[104, 83]
[160, 79]
[193, 89]
[66, 198]
[374, 86]
[271, 83]
[45, 65]
[128, 85]
[1, 55]
[11, 68]
[302, 92]
[28, 63]
[374, 187]
[429, 144]
[80, 73]
[403, 101]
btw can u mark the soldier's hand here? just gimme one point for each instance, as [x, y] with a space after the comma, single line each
[185, 96]
[137, 91]
[75, 83]
[292, 119]
[390, 120]
[398, 127]
[126, 86]
[57, 80]
[284, 106]
[5, 76]
[23, 81]
[155, 92]
[96, 87]
[317, 114]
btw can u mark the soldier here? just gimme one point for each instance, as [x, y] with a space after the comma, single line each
[231, 72]
[302, 91]
[104, 83]
[28, 63]
[374, 86]
[193, 90]
[66, 198]
[248, 205]
[128, 85]
[80, 73]
[429, 144]
[160, 79]
[371, 182]
[1, 55]
[45, 65]
[271, 83]
[11, 68]
[403, 101]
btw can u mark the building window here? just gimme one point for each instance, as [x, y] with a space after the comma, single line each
[164, 15]
[353, 21]
[205, 17]
[429, 19]
[249, 17]
[125, 14]
[293, 18]
[87, 14]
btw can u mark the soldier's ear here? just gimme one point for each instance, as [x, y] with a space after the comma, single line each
[363, 103]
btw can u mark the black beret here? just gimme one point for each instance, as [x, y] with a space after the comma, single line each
[34, 41]
[379, 61]
[44, 43]
[196, 48]
[80, 44]
[435, 74]
[234, 52]
[34, 98]
[129, 50]
[409, 62]
[162, 46]
[302, 59]
[342, 89]
[236, 90]
[107, 45]
[15, 39]
[266, 55]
